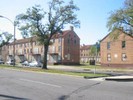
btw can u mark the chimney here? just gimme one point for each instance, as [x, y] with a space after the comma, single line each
[71, 28]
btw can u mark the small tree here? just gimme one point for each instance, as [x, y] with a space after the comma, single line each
[44, 24]
[5, 37]
[94, 50]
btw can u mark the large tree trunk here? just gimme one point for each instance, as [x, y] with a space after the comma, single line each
[45, 57]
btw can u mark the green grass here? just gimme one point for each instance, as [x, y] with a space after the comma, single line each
[53, 71]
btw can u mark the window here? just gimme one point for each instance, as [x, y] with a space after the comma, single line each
[124, 57]
[34, 43]
[53, 49]
[108, 57]
[59, 48]
[123, 44]
[53, 40]
[20, 45]
[68, 41]
[74, 41]
[25, 45]
[68, 50]
[108, 45]
[16, 51]
[42, 49]
[30, 50]
[27, 50]
[24, 51]
[59, 40]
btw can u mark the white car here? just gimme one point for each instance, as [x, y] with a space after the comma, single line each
[10, 62]
[35, 64]
[25, 63]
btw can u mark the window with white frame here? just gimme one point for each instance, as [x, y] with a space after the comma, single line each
[108, 57]
[124, 57]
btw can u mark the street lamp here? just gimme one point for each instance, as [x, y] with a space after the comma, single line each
[14, 31]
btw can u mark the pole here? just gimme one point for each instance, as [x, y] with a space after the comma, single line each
[95, 59]
[14, 44]
[14, 32]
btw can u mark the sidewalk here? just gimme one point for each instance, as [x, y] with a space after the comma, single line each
[84, 70]
[115, 76]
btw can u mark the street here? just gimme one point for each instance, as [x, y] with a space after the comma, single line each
[20, 85]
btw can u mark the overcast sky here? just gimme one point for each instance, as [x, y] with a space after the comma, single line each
[93, 15]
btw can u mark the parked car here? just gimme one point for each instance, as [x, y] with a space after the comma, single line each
[10, 62]
[35, 64]
[25, 63]
[1, 62]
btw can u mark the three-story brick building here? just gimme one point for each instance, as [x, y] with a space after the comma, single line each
[64, 49]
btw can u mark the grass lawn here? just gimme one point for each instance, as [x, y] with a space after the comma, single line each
[53, 71]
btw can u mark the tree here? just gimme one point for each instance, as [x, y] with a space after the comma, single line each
[5, 37]
[45, 24]
[94, 50]
[122, 18]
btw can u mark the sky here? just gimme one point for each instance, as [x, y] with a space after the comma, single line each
[93, 16]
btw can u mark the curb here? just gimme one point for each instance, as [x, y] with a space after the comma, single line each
[119, 79]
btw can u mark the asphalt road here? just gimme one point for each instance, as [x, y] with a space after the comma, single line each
[19, 85]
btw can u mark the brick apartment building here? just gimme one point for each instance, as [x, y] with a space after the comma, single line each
[118, 52]
[64, 49]
[84, 53]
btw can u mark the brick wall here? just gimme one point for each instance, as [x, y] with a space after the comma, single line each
[116, 51]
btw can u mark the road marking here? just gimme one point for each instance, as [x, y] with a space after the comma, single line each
[40, 83]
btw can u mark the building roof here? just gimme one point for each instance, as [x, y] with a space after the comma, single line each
[115, 30]
[61, 34]
[85, 47]
[25, 40]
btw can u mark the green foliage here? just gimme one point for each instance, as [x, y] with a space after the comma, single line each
[94, 50]
[114, 36]
[5, 37]
[122, 18]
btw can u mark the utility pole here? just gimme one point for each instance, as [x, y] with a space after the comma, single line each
[14, 32]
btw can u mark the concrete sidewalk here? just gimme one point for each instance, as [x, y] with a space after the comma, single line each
[116, 76]
[84, 70]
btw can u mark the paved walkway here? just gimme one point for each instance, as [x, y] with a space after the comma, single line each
[115, 75]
